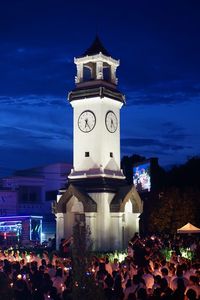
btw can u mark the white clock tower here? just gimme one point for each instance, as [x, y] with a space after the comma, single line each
[96, 103]
[97, 191]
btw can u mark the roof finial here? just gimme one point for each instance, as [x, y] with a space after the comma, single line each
[96, 48]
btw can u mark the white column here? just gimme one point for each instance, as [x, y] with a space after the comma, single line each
[113, 74]
[99, 70]
[59, 228]
[79, 77]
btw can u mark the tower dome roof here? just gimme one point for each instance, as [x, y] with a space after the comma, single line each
[96, 48]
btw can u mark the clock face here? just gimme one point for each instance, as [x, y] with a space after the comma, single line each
[86, 121]
[111, 121]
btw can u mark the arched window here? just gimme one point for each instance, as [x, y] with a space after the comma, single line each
[106, 74]
[87, 73]
[128, 207]
[77, 207]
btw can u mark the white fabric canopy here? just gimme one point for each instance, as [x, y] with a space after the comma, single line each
[188, 228]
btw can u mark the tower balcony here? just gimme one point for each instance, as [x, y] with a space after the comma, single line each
[97, 90]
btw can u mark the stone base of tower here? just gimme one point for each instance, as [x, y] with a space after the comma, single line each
[110, 210]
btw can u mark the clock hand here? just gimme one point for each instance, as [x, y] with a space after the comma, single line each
[86, 124]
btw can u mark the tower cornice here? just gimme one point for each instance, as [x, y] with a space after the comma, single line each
[97, 57]
[96, 91]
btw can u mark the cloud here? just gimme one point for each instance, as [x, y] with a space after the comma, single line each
[30, 137]
[31, 157]
[168, 152]
[173, 132]
[35, 121]
[34, 100]
[35, 70]
[149, 142]
[34, 55]
[170, 92]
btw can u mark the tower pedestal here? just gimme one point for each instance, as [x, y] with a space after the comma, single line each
[110, 208]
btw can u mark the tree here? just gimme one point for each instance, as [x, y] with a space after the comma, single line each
[174, 209]
[84, 284]
[186, 174]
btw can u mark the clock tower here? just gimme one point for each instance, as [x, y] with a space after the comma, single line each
[96, 103]
[97, 191]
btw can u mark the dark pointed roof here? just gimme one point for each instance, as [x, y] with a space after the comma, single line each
[88, 203]
[96, 48]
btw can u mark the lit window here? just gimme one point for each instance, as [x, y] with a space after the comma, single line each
[128, 207]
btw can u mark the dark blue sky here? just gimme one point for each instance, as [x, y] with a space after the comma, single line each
[158, 45]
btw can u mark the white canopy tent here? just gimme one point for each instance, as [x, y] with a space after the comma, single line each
[188, 228]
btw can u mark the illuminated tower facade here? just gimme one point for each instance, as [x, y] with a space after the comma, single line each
[97, 191]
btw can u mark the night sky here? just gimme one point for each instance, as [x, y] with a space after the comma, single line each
[158, 44]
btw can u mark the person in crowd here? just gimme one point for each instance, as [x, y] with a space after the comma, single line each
[194, 285]
[108, 266]
[115, 265]
[148, 278]
[156, 269]
[179, 292]
[156, 284]
[165, 272]
[118, 293]
[179, 275]
[6, 293]
[21, 291]
[165, 290]
[142, 294]
[191, 295]
[64, 247]
[144, 275]
[58, 281]
[108, 287]
[136, 284]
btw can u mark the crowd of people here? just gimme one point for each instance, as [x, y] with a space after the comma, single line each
[144, 274]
